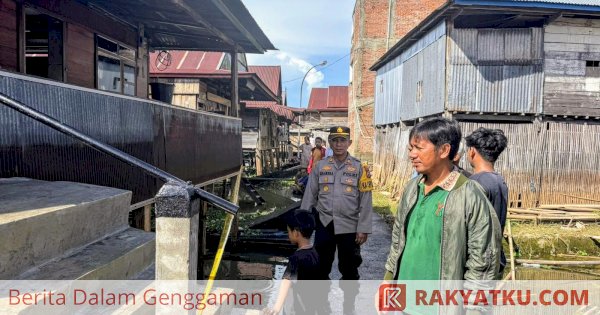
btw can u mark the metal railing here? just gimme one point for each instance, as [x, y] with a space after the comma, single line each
[116, 153]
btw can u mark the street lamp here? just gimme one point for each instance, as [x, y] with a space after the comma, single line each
[324, 62]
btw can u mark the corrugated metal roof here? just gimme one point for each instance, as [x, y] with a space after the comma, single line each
[555, 4]
[212, 25]
[338, 97]
[318, 98]
[333, 98]
[270, 75]
[570, 2]
[456, 7]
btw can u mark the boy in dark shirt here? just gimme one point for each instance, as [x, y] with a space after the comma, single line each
[302, 265]
[485, 146]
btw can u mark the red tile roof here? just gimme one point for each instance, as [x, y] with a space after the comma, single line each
[333, 98]
[280, 110]
[187, 62]
[270, 75]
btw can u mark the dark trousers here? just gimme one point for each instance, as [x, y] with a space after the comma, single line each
[349, 259]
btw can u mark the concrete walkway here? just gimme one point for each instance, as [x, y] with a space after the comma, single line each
[374, 252]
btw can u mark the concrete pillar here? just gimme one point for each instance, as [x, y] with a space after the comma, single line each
[177, 221]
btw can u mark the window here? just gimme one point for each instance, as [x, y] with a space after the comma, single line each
[592, 68]
[226, 62]
[116, 67]
[242, 63]
[43, 45]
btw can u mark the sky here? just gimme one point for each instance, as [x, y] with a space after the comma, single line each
[305, 32]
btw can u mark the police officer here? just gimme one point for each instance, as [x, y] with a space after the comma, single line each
[339, 189]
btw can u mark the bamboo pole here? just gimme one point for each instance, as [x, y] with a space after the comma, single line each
[577, 256]
[511, 249]
[235, 198]
[569, 206]
[582, 198]
[558, 262]
[522, 217]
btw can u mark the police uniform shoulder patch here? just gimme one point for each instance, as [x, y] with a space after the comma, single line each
[365, 183]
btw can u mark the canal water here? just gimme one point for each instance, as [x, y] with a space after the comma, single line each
[262, 254]
[256, 254]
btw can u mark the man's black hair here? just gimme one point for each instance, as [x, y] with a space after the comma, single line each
[318, 138]
[488, 142]
[439, 131]
[301, 220]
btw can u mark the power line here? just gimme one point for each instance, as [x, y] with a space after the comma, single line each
[327, 66]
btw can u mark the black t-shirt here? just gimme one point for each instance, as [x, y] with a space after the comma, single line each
[303, 265]
[497, 192]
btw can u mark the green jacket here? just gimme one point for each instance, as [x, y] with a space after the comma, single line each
[471, 236]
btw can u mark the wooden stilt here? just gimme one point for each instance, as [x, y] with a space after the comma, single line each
[147, 218]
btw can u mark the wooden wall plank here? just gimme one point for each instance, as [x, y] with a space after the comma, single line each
[572, 55]
[577, 22]
[568, 87]
[75, 12]
[569, 43]
[572, 39]
[80, 56]
[572, 47]
[8, 35]
[576, 30]
[565, 67]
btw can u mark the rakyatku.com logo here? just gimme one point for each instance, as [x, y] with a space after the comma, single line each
[392, 297]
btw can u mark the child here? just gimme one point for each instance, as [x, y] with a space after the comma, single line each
[302, 265]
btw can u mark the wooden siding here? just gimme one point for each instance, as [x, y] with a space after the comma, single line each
[324, 120]
[80, 56]
[77, 13]
[8, 35]
[544, 163]
[568, 44]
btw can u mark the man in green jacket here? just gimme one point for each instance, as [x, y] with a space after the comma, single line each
[445, 227]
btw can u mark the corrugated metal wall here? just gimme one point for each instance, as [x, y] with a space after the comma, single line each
[191, 145]
[496, 70]
[412, 84]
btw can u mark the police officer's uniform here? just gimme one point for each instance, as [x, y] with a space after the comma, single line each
[342, 198]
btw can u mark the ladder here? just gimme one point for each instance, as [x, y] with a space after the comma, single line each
[252, 192]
